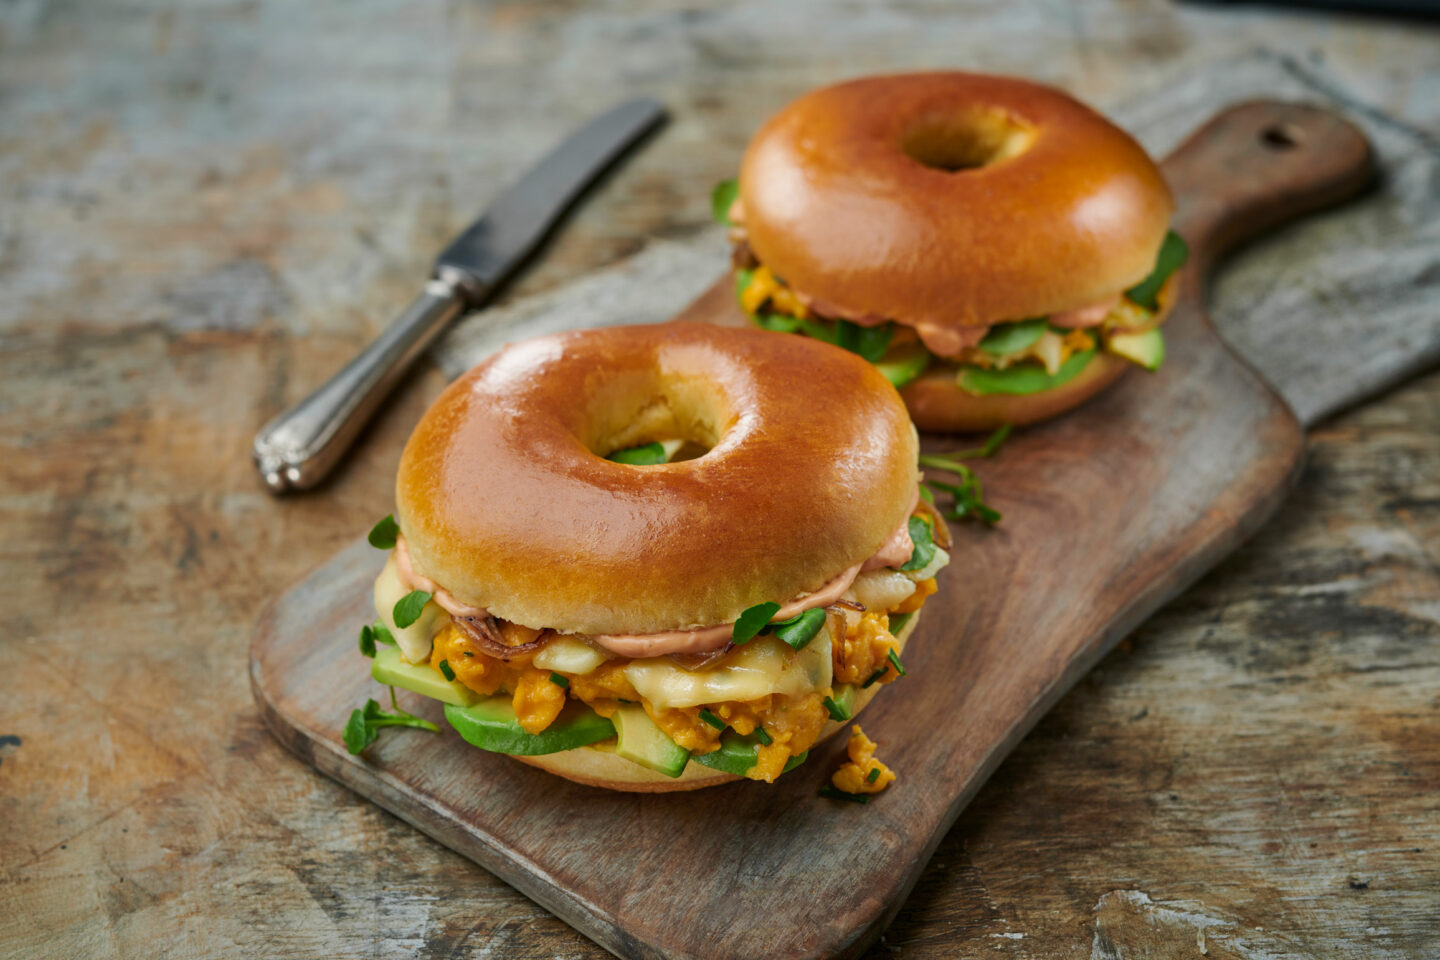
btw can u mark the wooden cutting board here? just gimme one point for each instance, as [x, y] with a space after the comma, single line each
[1109, 512]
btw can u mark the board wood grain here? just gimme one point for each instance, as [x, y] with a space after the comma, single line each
[1109, 512]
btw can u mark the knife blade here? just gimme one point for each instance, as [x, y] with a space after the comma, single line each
[300, 446]
[516, 223]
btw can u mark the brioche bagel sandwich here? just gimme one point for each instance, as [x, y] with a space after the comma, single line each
[999, 250]
[654, 558]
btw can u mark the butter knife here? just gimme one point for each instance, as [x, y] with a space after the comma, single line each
[298, 448]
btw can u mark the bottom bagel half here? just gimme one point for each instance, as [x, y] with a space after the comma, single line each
[599, 765]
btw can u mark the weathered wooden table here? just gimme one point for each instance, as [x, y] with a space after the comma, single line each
[203, 211]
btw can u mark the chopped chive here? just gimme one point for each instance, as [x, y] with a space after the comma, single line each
[838, 711]
[447, 670]
[367, 642]
[834, 793]
[407, 608]
[763, 736]
[382, 536]
[873, 677]
[559, 681]
[894, 659]
[711, 719]
[873, 775]
[468, 653]
[752, 621]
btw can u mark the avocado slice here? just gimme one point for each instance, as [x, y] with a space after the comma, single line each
[642, 742]
[1022, 377]
[419, 678]
[1146, 348]
[490, 724]
[737, 755]
[903, 364]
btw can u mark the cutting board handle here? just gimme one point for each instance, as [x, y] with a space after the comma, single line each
[1258, 165]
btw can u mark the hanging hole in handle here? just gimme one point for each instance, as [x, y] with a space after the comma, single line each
[1282, 136]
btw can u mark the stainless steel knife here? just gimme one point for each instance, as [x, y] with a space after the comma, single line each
[299, 447]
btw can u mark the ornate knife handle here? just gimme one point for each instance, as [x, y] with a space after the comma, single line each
[299, 447]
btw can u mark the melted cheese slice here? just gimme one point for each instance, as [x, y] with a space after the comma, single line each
[761, 667]
[415, 640]
[569, 655]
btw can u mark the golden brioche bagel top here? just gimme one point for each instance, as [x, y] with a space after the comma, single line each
[505, 498]
[952, 199]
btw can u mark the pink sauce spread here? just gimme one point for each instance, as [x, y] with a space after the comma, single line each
[949, 341]
[1091, 316]
[892, 553]
[415, 581]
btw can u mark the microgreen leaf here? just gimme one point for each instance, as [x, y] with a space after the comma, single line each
[996, 440]
[720, 200]
[821, 330]
[927, 494]
[447, 670]
[382, 634]
[1172, 256]
[742, 280]
[559, 681]
[778, 322]
[359, 734]
[969, 498]
[363, 727]
[407, 608]
[800, 629]
[752, 621]
[382, 535]
[924, 540]
[367, 641]
[1006, 338]
[1021, 378]
[869, 342]
[644, 456]
[894, 659]
[711, 719]
[834, 793]
[838, 711]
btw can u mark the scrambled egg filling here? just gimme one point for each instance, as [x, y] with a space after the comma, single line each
[793, 722]
[765, 291]
[864, 773]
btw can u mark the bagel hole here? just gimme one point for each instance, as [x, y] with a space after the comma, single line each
[639, 410]
[970, 140]
[1282, 136]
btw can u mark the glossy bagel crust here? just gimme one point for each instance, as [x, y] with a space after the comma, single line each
[833, 203]
[506, 500]
[600, 768]
[938, 404]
